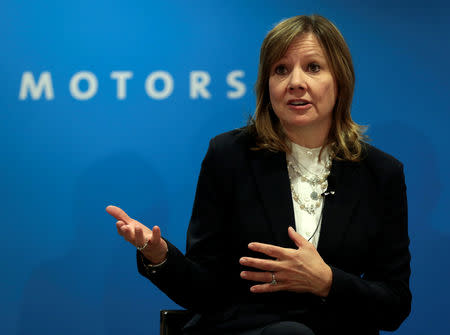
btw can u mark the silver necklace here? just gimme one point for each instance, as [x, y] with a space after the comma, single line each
[316, 184]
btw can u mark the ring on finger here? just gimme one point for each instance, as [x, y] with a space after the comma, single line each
[274, 281]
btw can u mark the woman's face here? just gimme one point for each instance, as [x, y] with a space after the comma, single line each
[303, 91]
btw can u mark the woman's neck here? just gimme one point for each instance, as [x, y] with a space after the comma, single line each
[312, 135]
[308, 138]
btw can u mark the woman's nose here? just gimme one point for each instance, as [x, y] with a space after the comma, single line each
[297, 80]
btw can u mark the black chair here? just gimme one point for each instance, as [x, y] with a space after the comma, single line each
[172, 321]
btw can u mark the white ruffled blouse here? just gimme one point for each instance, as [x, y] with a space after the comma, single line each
[307, 225]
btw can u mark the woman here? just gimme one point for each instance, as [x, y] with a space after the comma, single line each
[298, 226]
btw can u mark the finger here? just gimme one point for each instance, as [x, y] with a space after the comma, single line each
[268, 249]
[265, 288]
[128, 233]
[264, 277]
[119, 214]
[119, 225]
[139, 238]
[298, 239]
[261, 264]
[156, 235]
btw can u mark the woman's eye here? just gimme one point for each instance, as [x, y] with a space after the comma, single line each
[314, 67]
[280, 69]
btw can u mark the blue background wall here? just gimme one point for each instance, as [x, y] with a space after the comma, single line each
[64, 270]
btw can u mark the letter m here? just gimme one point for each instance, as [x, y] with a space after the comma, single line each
[28, 85]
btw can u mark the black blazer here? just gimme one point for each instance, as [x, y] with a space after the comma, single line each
[244, 195]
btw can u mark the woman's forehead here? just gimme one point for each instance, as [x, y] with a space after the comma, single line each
[305, 45]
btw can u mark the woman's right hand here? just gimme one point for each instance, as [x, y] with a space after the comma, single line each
[137, 234]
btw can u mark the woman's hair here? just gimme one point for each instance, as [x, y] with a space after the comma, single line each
[345, 135]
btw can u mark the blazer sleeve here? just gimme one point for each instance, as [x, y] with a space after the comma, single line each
[200, 280]
[381, 298]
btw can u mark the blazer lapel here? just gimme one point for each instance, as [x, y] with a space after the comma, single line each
[272, 179]
[338, 207]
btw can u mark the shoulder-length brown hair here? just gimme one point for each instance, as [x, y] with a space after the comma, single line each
[345, 135]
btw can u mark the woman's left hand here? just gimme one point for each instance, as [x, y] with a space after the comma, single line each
[297, 270]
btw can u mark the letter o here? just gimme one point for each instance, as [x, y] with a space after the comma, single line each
[75, 88]
[150, 85]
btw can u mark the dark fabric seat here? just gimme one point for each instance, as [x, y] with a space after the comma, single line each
[172, 321]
